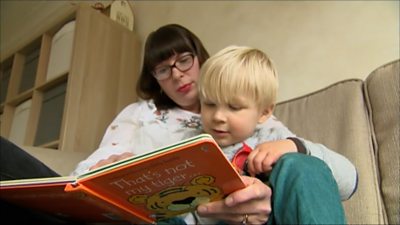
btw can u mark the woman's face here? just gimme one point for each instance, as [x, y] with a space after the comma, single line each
[181, 86]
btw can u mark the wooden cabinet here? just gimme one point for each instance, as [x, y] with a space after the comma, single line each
[69, 111]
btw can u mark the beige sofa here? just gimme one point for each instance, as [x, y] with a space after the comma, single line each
[359, 119]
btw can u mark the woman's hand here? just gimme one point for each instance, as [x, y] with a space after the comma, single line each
[265, 155]
[254, 201]
[111, 159]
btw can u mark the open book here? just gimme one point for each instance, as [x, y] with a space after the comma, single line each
[163, 183]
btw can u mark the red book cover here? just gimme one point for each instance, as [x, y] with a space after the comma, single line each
[163, 183]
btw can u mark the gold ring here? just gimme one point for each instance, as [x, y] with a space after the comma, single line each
[245, 219]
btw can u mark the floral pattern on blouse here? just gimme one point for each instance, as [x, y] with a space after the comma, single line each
[162, 115]
[194, 122]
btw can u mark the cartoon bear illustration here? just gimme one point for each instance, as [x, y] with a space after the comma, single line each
[180, 199]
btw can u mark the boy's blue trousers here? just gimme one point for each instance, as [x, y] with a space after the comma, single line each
[304, 191]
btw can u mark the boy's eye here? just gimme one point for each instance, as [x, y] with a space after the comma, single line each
[235, 107]
[209, 104]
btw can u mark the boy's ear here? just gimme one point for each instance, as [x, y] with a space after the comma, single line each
[266, 113]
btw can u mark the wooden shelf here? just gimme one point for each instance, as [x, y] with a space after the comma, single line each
[53, 82]
[53, 145]
[21, 97]
[70, 110]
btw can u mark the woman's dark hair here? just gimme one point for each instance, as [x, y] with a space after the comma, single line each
[160, 45]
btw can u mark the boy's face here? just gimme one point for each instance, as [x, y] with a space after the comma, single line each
[234, 122]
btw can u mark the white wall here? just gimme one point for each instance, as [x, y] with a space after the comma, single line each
[313, 43]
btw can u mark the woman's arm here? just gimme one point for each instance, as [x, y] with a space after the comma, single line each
[116, 142]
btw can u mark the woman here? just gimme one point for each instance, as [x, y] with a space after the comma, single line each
[171, 66]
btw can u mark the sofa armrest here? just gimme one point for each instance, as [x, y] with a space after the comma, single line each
[337, 117]
[382, 91]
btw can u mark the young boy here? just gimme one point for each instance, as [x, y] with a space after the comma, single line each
[238, 88]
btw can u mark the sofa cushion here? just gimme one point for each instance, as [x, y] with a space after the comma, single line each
[62, 162]
[337, 117]
[383, 99]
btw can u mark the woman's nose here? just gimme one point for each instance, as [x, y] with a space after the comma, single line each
[175, 73]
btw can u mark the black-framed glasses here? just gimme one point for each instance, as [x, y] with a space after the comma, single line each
[182, 63]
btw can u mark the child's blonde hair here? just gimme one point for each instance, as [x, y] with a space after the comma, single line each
[239, 70]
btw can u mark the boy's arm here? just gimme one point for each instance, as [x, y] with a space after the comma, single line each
[342, 169]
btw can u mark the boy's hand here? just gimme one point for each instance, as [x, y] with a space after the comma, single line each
[264, 156]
